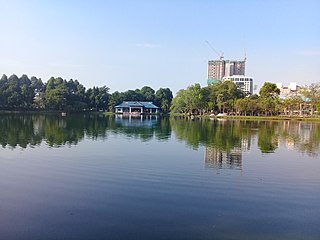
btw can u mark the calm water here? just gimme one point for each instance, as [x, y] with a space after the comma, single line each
[95, 177]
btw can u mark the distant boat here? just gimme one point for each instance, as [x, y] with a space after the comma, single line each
[63, 114]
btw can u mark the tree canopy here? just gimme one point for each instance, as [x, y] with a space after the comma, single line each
[226, 97]
[24, 93]
[220, 97]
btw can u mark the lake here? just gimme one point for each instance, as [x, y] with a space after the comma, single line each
[113, 177]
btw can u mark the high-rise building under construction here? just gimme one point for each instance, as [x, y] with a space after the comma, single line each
[218, 69]
[223, 70]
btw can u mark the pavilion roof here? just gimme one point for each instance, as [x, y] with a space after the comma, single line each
[136, 104]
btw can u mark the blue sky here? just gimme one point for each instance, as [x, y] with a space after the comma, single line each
[130, 44]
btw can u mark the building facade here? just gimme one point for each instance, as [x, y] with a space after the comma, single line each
[288, 91]
[243, 82]
[218, 69]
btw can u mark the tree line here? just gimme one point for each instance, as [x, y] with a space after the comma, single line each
[226, 97]
[22, 93]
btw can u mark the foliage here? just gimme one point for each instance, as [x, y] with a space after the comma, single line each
[179, 102]
[55, 94]
[312, 94]
[97, 98]
[219, 97]
[17, 93]
[148, 94]
[243, 105]
[269, 90]
[225, 97]
[62, 95]
[291, 104]
[162, 97]
[22, 93]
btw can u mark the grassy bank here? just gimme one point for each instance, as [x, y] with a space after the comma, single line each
[271, 118]
[280, 118]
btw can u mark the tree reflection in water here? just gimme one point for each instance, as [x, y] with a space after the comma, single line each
[224, 140]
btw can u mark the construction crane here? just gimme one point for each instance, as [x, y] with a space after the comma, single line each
[220, 54]
[245, 55]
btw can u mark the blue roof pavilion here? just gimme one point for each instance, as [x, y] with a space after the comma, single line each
[136, 108]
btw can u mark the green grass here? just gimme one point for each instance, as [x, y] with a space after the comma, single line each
[293, 118]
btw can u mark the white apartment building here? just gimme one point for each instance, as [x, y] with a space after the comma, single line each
[243, 82]
[288, 91]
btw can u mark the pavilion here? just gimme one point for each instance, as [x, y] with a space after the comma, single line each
[136, 108]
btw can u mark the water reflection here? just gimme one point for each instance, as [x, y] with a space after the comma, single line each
[144, 128]
[301, 135]
[224, 140]
[30, 130]
[125, 188]
[230, 159]
[137, 121]
[215, 158]
[229, 136]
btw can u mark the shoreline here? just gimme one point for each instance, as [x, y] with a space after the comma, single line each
[270, 118]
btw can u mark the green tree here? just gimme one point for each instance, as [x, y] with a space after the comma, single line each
[225, 94]
[3, 94]
[312, 95]
[133, 95]
[243, 105]
[189, 100]
[221, 96]
[253, 105]
[163, 99]
[75, 98]
[194, 98]
[269, 90]
[103, 97]
[148, 94]
[115, 99]
[291, 104]
[269, 105]
[97, 98]
[16, 93]
[56, 94]
[179, 102]
[27, 92]
[269, 98]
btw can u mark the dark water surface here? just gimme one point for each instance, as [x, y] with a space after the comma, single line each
[97, 177]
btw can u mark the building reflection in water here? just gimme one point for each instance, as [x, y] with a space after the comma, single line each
[146, 121]
[297, 134]
[222, 159]
[303, 136]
